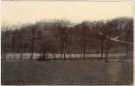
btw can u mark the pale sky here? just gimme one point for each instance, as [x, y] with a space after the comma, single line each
[19, 12]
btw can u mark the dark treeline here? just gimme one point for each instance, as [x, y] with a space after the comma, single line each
[63, 37]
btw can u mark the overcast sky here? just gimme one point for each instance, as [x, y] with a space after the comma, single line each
[19, 12]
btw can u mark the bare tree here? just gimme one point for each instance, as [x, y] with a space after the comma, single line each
[83, 37]
[33, 39]
[63, 38]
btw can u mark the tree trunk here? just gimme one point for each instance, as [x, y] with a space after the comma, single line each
[32, 50]
[83, 53]
[43, 56]
[102, 49]
[21, 55]
[107, 55]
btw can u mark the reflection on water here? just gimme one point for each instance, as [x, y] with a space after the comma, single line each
[114, 72]
[119, 72]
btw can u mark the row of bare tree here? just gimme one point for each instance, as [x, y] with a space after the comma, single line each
[64, 38]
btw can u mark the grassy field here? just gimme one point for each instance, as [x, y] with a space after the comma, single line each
[66, 72]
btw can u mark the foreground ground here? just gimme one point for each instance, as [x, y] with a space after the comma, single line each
[66, 72]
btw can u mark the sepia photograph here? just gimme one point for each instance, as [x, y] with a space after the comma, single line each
[67, 43]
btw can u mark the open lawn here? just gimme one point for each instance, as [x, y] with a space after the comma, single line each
[77, 72]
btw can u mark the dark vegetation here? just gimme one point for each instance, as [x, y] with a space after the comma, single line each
[64, 37]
